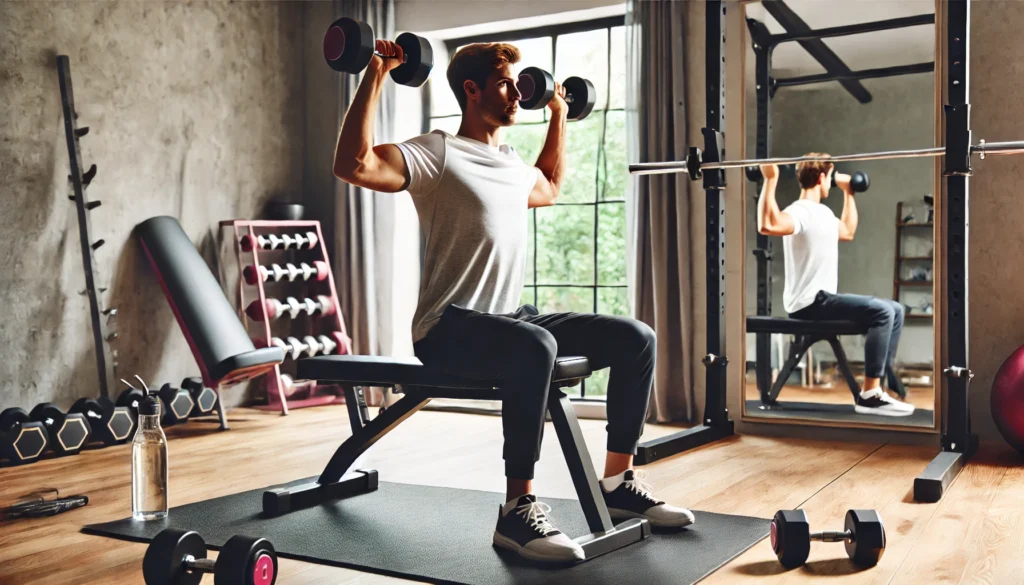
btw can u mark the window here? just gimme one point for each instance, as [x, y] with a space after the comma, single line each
[577, 248]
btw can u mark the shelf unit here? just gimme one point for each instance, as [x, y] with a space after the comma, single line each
[898, 282]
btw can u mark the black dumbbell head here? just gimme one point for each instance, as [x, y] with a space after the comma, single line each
[791, 537]
[112, 425]
[419, 60]
[205, 398]
[21, 440]
[246, 561]
[753, 173]
[11, 417]
[131, 398]
[859, 182]
[163, 563]
[868, 543]
[583, 97]
[536, 88]
[348, 45]
[68, 432]
[178, 405]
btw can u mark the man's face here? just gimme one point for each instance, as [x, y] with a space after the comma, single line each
[498, 100]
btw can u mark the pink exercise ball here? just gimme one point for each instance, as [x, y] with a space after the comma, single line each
[1007, 399]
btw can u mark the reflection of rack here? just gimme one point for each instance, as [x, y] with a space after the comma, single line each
[106, 364]
[898, 282]
[298, 394]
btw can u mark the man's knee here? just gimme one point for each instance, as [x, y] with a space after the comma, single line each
[535, 346]
[634, 335]
[881, 312]
[898, 311]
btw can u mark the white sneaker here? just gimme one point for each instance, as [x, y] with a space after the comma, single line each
[879, 402]
[628, 496]
[524, 528]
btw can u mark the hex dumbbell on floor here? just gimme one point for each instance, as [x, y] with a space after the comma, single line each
[177, 405]
[276, 272]
[537, 87]
[205, 398]
[291, 306]
[112, 425]
[68, 432]
[864, 537]
[350, 44]
[22, 440]
[178, 557]
[130, 398]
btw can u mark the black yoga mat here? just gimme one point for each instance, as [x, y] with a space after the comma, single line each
[444, 535]
[837, 412]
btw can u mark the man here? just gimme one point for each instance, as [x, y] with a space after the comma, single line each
[810, 241]
[472, 194]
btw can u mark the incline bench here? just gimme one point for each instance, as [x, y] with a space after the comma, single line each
[806, 334]
[226, 355]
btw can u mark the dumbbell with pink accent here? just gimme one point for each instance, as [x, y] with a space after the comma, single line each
[293, 348]
[325, 345]
[285, 241]
[292, 306]
[276, 272]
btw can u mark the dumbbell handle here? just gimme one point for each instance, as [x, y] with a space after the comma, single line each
[832, 536]
[202, 565]
[404, 57]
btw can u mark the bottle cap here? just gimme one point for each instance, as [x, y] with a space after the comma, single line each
[150, 406]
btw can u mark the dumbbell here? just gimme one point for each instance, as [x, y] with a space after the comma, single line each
[130, 398]
[178, 557]
[22, 440]
[275, 272]
[110, 424]
[537, 87]
[864, 537]
[292, 306]
[349, 45]
[273, 241]
[176, 404]
[68, 432]
[859, 180]
[323, 344]
[205, 398]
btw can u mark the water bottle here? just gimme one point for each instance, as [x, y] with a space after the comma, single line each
[149, 463]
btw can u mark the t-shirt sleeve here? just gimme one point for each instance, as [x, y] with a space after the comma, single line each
[424, 162]
[801, 218]
[532, 173]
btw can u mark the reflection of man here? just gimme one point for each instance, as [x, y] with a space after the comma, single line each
[810, 235]
[472, 194]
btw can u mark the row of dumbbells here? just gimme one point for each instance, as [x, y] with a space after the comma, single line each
[27, 436]
[291, 306]
[308, 346]
[307, 241]
[275, 272]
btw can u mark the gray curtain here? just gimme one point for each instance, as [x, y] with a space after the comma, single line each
[665, 249]
[364, 219]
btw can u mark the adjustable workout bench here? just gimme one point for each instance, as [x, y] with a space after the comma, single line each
[806, 334]
[225, 353]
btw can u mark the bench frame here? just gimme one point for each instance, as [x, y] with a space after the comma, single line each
[338, 480]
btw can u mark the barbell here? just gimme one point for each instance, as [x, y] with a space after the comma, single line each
[660, 168]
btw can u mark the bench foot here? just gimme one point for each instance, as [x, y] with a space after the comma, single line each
[624, 534]
[284, 500]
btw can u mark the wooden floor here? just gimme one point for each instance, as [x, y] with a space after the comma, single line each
[975, 535]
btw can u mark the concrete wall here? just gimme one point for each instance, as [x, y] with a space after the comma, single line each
[826, 118]
[195, 111]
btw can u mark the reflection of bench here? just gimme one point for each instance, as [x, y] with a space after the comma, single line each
[806, 334]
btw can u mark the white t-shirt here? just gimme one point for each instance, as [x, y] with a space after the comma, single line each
[472, 202]
[811, 254]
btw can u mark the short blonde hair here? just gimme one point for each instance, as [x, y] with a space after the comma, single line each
[476, 62]
[807, 173]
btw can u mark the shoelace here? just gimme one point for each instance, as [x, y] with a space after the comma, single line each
[536, 513]
[640, 487]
